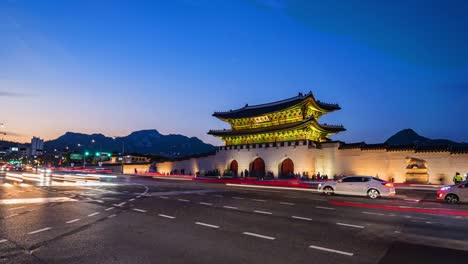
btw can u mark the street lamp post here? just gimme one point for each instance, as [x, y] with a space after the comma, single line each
[84, 156]
[122, 153]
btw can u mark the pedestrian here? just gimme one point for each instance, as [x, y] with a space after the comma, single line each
[457, 178]
[136, 171]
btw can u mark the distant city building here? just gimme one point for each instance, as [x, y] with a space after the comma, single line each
[22, 151]
[37, 146]
[18, 151]
[130, 159]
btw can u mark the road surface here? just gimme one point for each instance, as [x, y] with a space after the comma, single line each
[137, 220]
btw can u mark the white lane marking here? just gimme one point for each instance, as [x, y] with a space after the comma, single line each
[112, 215]
[16, 208]
[138, 197]
[412, 200]
[139, 210]
[206, 203]
[99, 201]
[207, 225]
[131, 200]
[263, 212]
[40, 230]
[231, 207]
[238, 198]
[356, 226]
[183, 200]
[10, 216]
[285, 203]
[110, 208]
[301, 218]
[312, 199]
[120, 204]
[428, 222]
[326, 208]
[146, 190]
[164, 197]
[93, 214]
[332, 250]
[371, 213]
[73, 221]
[258, 200]
[258, 235]
[166, 216]
[3, 241]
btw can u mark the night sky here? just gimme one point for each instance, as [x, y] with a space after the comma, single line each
[113, 67]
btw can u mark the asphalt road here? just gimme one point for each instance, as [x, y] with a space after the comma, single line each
[135, 220]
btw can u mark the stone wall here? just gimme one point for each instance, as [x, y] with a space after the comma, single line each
[329, 159]
[299, 152]
[130, 168]
[390, 164]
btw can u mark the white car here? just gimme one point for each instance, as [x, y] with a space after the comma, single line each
[359, 185]
[454, 193]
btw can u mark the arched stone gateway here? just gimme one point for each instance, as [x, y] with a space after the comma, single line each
[287, 168]
[257, 168]
[234, 167]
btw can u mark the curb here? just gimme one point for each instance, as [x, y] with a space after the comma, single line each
[272, 187]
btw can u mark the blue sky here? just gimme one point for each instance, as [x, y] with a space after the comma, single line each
[113, 67]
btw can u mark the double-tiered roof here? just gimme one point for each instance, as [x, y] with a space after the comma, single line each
[295, 118]
[261, 109]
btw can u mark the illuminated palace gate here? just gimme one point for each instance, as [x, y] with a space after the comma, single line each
[257, 168]
[234, 167]
[286, 168]
[288, 120]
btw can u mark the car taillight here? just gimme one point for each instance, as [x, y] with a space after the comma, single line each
[387, 184]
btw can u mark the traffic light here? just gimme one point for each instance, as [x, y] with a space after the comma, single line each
[98, 154]
[109, 155]
[86, 153]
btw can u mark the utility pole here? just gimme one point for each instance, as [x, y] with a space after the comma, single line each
[123, 149]
[2, 125]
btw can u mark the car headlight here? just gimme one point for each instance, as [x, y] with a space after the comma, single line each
[320, 185]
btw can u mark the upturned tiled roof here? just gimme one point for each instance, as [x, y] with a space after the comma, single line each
[295, 125]
[257, 110]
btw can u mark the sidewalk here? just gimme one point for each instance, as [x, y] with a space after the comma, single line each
[276, 183]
